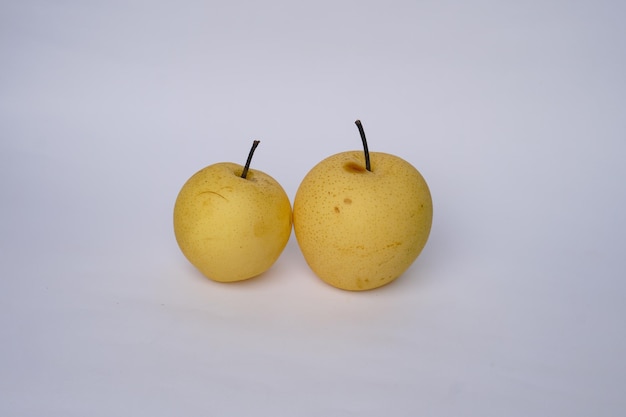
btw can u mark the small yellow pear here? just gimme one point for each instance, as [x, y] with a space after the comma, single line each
[362, 220]
[231, 222]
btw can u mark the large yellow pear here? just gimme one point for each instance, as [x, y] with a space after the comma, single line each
[232, 228]
[359, 229]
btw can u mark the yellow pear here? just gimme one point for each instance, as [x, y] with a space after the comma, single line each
[231, 222]
[362, 219]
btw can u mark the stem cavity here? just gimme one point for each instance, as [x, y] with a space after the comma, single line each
[365, 150]
[244, 174]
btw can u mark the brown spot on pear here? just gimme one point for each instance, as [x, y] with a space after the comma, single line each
[353, 167]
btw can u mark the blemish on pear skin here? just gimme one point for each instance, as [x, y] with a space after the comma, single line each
[213, 192]
[353, 167]
[260, 229]
[362, 282]
[336, 209]
[347, 201]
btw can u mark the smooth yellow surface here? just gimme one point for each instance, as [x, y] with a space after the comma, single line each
[357, 229]
[232, 228]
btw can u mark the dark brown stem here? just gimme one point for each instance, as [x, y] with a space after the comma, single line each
[365, 150]
[244, 174]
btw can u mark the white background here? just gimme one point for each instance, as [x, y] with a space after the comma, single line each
[514, 112]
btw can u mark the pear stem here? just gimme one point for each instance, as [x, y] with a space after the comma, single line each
[244, 174]
[365, 150]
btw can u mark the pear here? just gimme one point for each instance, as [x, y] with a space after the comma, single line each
[361, 219]
[232, 222]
